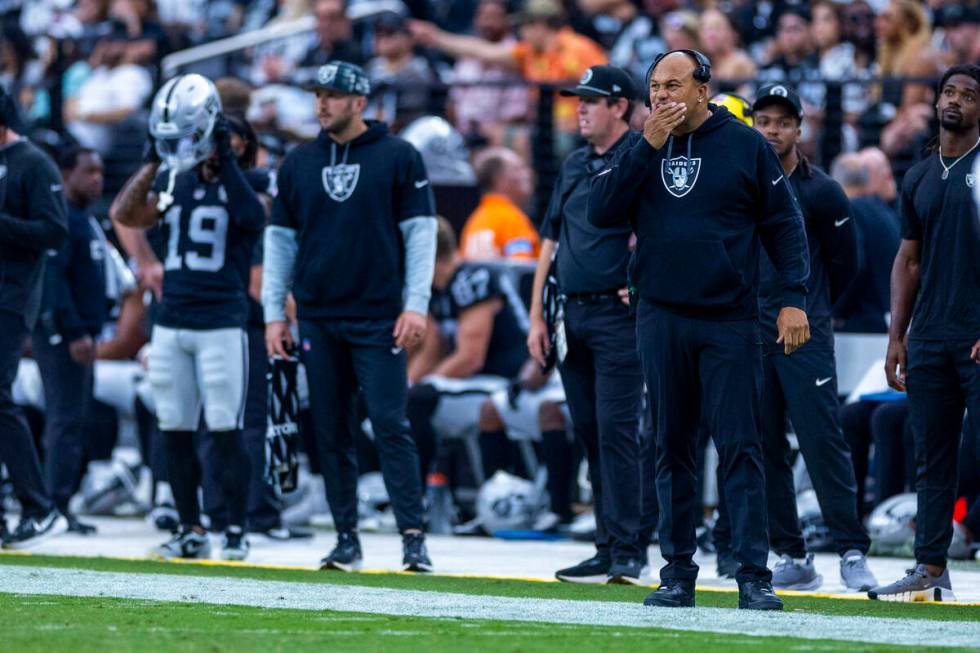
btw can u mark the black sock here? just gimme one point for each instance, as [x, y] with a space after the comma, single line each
[495, 451]
[184, 474]
[231, 464]
[556, 449]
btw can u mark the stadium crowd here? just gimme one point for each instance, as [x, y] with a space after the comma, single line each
[465, 82]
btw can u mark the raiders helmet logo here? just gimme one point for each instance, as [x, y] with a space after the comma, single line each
[340, 180]
[680, 174]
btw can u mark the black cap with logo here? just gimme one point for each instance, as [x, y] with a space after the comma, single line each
[604, 81]
[779, 93]
[341, 76]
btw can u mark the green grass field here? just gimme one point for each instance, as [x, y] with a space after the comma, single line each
[69, 623]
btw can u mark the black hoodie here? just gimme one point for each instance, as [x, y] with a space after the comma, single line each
[345, 203]
[700, 206]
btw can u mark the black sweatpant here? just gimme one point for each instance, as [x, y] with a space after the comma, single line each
[699, 367]
[67, 401]
[340, 356]
[17, 450]
[804, 386]
[603, 386]
[942, 382]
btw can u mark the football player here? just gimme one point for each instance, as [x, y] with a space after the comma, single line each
[199, 354]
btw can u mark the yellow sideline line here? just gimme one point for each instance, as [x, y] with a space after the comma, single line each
[382, 572]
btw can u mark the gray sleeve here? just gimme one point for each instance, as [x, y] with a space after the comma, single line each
[278, 262]
[419, 235]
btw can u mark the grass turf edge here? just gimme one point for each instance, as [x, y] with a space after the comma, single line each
[485, 586]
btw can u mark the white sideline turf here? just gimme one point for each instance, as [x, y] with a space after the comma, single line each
[412, 603]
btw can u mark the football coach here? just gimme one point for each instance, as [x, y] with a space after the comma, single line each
[702, 192]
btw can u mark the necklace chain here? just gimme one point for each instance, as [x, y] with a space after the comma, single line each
[947, 168]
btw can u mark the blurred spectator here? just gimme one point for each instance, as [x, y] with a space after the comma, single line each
[680, 31]
[837, 57]
[488, 110]
[147, 40]
[23, 75]
[632, 38]
[234, 93]
[547, 51]
[499, 228]
[864, 306]
[112, 91]
[275, 61]
[859, 31]
[961, 34]
[904, 50]
[401, 80]
[796, 60]
[333, 41]
[719, 40]
[904, 137]
[882, 179]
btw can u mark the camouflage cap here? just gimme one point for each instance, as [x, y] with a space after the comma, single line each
[343, 77]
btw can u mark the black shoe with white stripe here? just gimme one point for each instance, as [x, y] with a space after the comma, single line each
[34, 530]
[346, 556]
[416, 557]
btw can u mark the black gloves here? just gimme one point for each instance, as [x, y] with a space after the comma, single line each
[222, 139]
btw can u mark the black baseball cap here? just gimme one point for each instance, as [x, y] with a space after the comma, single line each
[341, 76]
[603, 81]
[390, 22]
[779, 93]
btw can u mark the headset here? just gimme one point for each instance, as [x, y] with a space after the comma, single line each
[702, 73]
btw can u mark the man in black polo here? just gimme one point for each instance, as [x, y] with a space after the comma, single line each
[32, 220]
[601, 371]
[701, 190]
[353, 235]
[936, 287]
[804, 385]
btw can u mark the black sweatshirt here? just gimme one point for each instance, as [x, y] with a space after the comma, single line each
[700, 206]
[346, 203]
[32, 220]
[74, 280]
[831, 235]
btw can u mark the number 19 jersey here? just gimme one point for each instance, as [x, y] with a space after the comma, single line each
[207, 256]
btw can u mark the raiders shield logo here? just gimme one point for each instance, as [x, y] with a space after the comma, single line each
[680, 174]
[340, 180]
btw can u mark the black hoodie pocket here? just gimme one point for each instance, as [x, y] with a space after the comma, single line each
[694, 273]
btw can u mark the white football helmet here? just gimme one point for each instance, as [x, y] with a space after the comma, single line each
[182, 120]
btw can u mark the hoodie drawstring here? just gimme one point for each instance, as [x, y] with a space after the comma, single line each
[333, 153]
[670, 146]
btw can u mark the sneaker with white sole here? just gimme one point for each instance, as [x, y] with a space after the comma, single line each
[346, 555]
[235, 546]
[917, 585]
[793, 574]
[415, 555]
[34, 530]
[187, 544]
[595, 570]
[854, 572]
